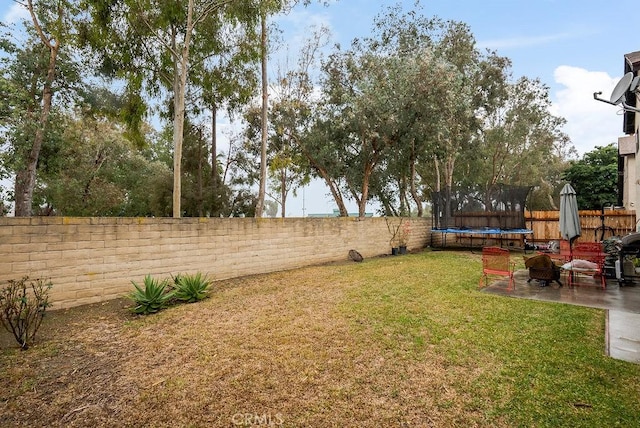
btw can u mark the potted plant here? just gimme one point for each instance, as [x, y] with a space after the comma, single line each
[399, 235]
[404, 232]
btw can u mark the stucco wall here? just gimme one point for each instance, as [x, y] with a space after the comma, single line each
[94, 259]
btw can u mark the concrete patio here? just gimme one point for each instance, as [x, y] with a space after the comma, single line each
[621, 303]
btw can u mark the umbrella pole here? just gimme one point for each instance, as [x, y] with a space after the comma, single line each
[572, 277]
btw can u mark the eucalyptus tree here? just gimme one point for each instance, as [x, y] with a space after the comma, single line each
[197, 181]
[390, 101]
[265, 106]
[358, 125]
[520, 141]
[357, 118]
[33, 75]
[458, 105]
[267, 7]
[228, 80]
[423, 84]
[153, 45]
[323, 155]
[286, 168]
[292, 108]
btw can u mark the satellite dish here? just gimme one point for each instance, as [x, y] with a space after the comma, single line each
[621, 88]
[634, 83]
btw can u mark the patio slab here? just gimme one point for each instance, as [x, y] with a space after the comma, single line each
[621, 303]
[623, 336]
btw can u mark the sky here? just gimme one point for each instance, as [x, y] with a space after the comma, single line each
[574, 47]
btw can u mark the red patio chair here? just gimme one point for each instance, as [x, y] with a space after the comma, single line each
[496, 262]
[592, 252]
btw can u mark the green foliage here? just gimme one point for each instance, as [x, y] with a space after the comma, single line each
[152, 297]
[22, 308]
[520, 142]
[595, 178]
[155, 44]
[191, 288]
[97, 172]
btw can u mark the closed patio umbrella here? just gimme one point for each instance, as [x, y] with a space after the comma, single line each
[569, 217]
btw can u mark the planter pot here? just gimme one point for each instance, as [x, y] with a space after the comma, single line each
[403, 249]
[395, 251]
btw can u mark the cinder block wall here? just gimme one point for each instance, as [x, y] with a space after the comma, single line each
[94, 259]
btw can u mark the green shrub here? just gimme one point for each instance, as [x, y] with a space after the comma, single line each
[22, 308]
[191, 288]
[152, 297]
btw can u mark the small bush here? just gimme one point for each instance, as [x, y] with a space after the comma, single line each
[191, 288]
[22, 308]
[151, 298]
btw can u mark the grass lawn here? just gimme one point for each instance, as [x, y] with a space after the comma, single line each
[392, 342]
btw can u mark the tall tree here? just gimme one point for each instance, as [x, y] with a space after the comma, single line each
[265, 112]
[356, 121]
[151, 41]
[51, 25]
[291, 113]
[267, 7]
[520, 142]
[228, 79]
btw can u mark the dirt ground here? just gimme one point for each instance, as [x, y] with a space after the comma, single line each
[269, 350]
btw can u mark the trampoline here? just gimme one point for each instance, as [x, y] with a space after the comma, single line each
[491, 215]
[497, 235]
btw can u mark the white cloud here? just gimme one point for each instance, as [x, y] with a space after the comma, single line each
[590, 123]
[16, 14]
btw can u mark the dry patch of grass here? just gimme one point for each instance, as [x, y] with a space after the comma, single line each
[395, 341]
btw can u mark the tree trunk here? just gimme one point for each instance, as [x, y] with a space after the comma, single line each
[448, 185]
[179, 86]
[335, 192]
[215, 179]
[283, 191]
[263, 145]
[362, 202]
[389, 209]
[26, 178]
[405, 206]
[178, 132]
[438, 209]
[199, 177]
[414, 192]
[214, 144]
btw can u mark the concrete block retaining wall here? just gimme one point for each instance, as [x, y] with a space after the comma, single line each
[94, 259]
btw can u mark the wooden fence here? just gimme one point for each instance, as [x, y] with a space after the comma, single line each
[546, 224]
[546, 227]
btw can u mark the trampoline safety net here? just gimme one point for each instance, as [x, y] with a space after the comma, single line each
[498, 207]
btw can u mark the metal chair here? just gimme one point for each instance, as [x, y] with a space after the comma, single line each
[496, 262]
[592, 252]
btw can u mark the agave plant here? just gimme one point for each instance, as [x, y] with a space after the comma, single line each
[191, 288]
[152, 297]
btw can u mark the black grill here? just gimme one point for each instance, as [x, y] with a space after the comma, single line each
[629, 258]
